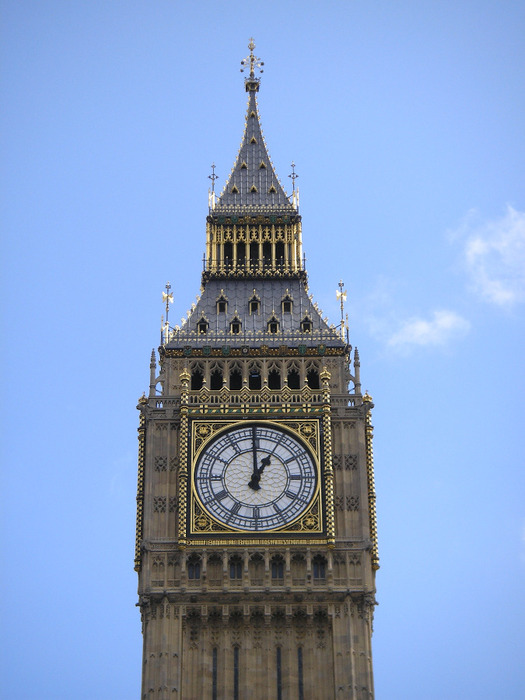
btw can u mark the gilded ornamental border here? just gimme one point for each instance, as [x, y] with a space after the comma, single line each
[201, 524]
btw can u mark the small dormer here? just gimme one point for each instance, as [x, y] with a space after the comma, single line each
[222, 303]
[235, 325]
[287, 303]
[306, 324]
[254, 304]
[202, 325]
[273, 324]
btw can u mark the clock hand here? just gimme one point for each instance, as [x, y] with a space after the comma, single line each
[254, 481]
[256, 476]
[265, 463]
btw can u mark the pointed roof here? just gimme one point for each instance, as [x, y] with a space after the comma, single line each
[253, 184]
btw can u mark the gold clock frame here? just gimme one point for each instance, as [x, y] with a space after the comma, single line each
[201, 524]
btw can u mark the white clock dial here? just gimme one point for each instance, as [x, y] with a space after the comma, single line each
[256, 477]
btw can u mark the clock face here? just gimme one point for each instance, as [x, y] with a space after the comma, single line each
[256, 477]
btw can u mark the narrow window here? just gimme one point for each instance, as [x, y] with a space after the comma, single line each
[267, 254]
[236, 568]
[287, 306]
[235, 379]
[319, 568]
[312, 378]
[216, 379]
[294, 381]
[254, 380]
[279, 675]
[241, 253]
[194, 568]
[197, 379]
[254, 253]
[236, 673]
[300, 672]
[235, 326]
[202, 326]
[222, 306]
[274, 380]
[228, 253]
[254, 306]
[214, 675]
[277, 569]
[279, 252]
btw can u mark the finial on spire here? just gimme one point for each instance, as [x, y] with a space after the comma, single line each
[293, 175]
[341, 295]
[213, 177]
[252, 83]
[168, 298]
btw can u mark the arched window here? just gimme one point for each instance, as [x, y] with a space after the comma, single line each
[274, 379]
[267, 254]
[194, 567]
[294, 379]
[241, 253]
[235, 378]
[236, 567]
[319, 566]
[197, 378]
[228, 254]
[254, 253]
[216, 378]
[254, 377]
[279, 253]
[312, 379]
[277, 567]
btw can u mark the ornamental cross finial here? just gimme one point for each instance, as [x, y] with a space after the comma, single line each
[340, 294]
[293, 175]
[253, 61]
[213, 177]
[168, 298]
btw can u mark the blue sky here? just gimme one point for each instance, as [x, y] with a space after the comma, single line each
[405, 121]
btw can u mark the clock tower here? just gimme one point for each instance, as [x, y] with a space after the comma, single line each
[256, 545]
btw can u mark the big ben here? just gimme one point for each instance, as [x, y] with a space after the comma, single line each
[256, 542]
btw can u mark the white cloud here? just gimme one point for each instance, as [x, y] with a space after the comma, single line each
[443, 327]
[494, 256]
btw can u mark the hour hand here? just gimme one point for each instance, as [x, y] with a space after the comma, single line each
[254, 481]
[256, 476]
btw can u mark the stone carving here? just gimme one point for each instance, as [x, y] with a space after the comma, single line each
[352, 502]
[159, 504]
[161, 464]
[350, 462]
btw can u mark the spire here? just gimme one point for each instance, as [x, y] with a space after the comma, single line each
[253, 185]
